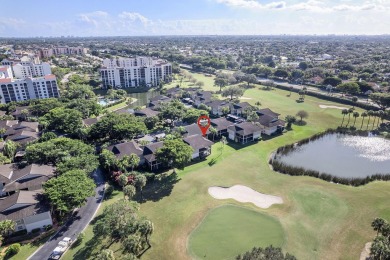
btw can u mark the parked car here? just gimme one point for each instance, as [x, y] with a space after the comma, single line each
[61, 248]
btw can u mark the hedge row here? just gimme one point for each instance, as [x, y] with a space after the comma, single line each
[299, 171]
[331, 98]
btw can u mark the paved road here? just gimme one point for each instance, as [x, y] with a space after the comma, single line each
[73, 227]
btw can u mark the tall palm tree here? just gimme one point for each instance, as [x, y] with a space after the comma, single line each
[344, 112]
[354, 100]
[370, 113]
[381, 115]
[213, 131]
[355, 115]
[378, 224]
[364, 114]
[350, 111]
[146, 228]
[375, 115]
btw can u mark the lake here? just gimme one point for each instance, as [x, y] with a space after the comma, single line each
[342, 155]
[143, 98]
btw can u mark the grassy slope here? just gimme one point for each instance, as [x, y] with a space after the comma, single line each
[229, 230]
[320, 220]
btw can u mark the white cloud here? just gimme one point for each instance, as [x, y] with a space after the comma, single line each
[253, 4]
[134, 17]
[311, 5]
[94, 17]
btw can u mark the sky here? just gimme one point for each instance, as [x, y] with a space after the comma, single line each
[26, 18]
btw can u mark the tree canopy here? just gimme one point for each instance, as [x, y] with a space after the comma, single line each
[76, 91]
[233, 92]
[69, 190]
[174, 153]
[64, 120]
[380, 248]
[121, 223]
[117, 127]
[381, 99]
[268, 253]
[57, 150]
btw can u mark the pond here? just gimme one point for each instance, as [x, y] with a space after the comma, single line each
[342, 155]
[143, 98]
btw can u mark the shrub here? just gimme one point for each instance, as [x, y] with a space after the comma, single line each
[48, 227]
[35, 230]
[12, 250]
[109, 190]
[19, 233]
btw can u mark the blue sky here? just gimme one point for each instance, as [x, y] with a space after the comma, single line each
[192, 17]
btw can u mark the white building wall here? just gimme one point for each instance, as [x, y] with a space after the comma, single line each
[38, 221]
[232, 135]
[22, 71]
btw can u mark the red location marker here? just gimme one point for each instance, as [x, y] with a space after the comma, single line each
[204, 124]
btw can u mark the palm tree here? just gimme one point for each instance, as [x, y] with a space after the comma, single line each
[370, 113]
[381, 114]
[6, 226]
[213, 131]
[364, 114]
[355, 115]
[129, 191]
[350, 111]
[140, 182]
[378, 224]
[146, 228]
[344, 112]
[376, 116]
[354, 100]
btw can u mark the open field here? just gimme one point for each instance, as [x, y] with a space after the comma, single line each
[208, 82]
[228, 231]
[320, 220]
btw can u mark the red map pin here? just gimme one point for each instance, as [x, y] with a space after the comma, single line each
[204, 124]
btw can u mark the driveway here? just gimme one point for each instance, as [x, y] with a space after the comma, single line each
[77, 224]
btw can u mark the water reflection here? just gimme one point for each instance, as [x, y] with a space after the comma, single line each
[342, 155]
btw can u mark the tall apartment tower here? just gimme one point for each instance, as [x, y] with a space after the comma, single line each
[26, 79]
[134, 72]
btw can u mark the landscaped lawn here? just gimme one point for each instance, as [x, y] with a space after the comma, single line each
[229, 230]
[320, 220]
[207, 80]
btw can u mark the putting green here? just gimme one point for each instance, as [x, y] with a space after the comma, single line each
[229, 230]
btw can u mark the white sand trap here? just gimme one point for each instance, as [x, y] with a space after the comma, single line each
[245, 98]
[336, 107]
[245, 194]
[366, 251]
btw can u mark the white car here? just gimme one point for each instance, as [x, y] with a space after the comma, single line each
[61, 248]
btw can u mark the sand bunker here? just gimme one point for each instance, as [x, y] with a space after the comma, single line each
[366, 251]
[336, 107]
[245, 194]
[245, 98]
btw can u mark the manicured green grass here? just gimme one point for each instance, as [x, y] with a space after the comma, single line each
[228, 231]
[320, 220]
[117, 106]
[207, 80]
[87, 247]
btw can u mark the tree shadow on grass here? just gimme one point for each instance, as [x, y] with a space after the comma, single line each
[88, 249]
[300, 123]
[238, 146]
[161, 187]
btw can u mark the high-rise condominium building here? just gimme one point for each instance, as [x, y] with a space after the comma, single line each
[134, 72]
[25, 79]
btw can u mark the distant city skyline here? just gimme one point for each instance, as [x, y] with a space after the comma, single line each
[194, 17]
